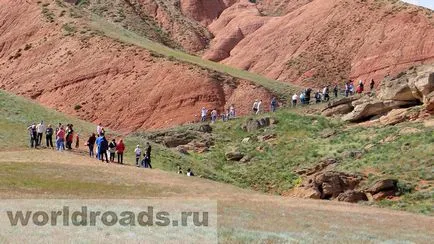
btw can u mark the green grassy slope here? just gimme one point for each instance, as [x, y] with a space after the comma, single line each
[18, 113]
[386, 151]
[404, 152]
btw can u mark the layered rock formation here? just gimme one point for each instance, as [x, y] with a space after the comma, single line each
[410, 88]
[63, 65]
[323, 41]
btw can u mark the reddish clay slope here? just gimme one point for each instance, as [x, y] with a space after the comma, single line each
[121, 86]
[318, 41]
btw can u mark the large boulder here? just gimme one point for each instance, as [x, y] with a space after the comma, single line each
[394, 117]
[254, 124]
[338, 110]
[234, 156]
[396, 89]
[177, 139]
[352, 196]
[429, 102]
[422, 81]
[413, 85]
[302, 192]
[333, 183]
[383, 185]
[374, 107]
[205, 128]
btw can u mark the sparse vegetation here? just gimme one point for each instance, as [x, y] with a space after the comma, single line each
[300, 144]
[69, 29]
[47, 13]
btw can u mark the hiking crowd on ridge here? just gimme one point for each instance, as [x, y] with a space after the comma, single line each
[303, 98]
[64, 135]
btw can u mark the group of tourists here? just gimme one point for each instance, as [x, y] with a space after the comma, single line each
[146, 161]
[230, 112]
[213, 114]
[64, 136]
[324, 94]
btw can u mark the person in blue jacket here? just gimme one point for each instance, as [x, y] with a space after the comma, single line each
[102, 147]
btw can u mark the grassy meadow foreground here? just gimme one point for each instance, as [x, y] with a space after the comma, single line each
[244, 215]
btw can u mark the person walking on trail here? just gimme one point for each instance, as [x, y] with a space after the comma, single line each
[98, 143]
[302, 97]
[273, 104]
[99, 129]
[147, 159]
[318, 97]
[60, 141]
[138, 153]
[69, 136]
[294, 100]
[91, 143]
[255, 106]
[360, 87]
[40, 128]
[33, 134]
[259, 107]
[232, 112]
[326, 93]
[214, 115]
[347, 89]
[103, 147]
[372, 85]
[203, 113]
[120, 148]
[112, 150]
[335, 91]
[351, 87]
[307, 95]
[49, 136]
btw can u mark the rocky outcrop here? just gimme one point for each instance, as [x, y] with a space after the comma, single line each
[410, 88]
[338, 110]
[322, 182]
[429, 101]
[193, 138]
[413, 85]
[369, 108]
[383, 189]
[255, 124]
[234, 156]
[352, 196]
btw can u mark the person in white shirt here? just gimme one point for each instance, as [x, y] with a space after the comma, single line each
[255, 107]
[259, 107]
[40, 128]
[99, 129]
[189, 172]
[294, 99]
[138, 153]
[213, 115]
[203, 113]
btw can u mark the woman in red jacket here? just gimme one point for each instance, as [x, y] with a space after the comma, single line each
[120, 148]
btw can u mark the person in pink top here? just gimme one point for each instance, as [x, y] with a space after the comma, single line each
[60, 135]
